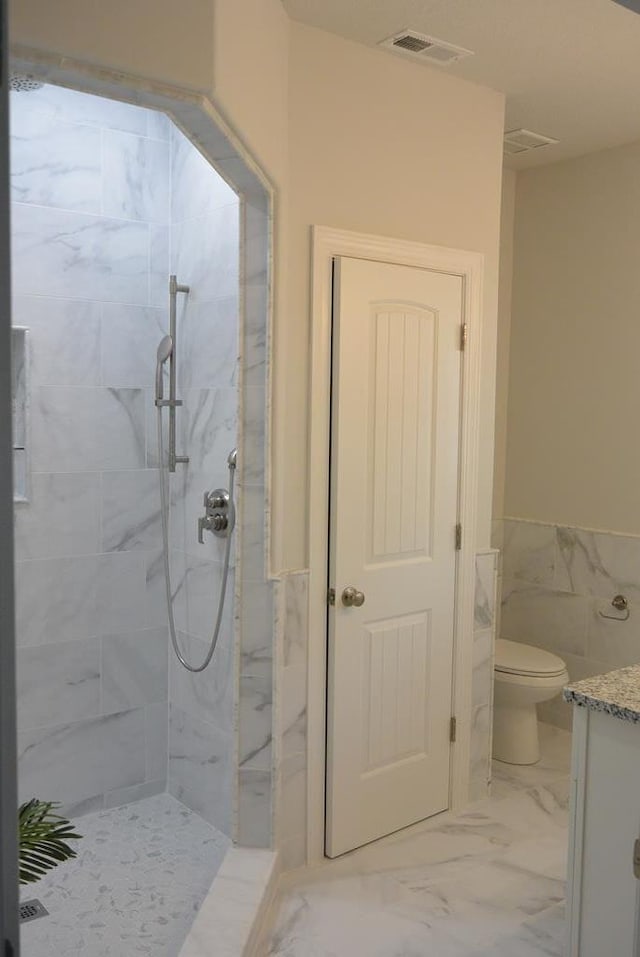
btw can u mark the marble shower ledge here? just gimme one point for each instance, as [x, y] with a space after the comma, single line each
[616, 693]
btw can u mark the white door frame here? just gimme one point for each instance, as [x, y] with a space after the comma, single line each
[328, 243]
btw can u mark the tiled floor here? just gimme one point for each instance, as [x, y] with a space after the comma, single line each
[141, 874]
[487, 883]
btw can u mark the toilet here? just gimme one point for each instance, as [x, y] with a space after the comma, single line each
[524, 676]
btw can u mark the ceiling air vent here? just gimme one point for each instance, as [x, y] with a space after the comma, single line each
[523, 141]
[420, 46]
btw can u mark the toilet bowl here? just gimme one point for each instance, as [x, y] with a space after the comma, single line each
[524, 676]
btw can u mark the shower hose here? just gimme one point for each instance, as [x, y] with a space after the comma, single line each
[164, 508]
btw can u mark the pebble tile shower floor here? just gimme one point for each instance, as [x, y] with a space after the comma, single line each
[141, 874]
[489, 882]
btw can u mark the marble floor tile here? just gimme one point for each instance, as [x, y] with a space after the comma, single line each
[140, 877]
[489, 881]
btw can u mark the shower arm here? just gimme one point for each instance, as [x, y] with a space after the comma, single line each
[174, 288]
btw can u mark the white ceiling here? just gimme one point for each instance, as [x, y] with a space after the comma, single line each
[570, 68]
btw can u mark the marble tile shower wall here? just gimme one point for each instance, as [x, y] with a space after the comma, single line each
[90, 188]
[556, 582]
[204, 242]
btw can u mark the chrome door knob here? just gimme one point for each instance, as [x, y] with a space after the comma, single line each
[351, 597]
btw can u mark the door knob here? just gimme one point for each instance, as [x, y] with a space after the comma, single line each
[352, 597]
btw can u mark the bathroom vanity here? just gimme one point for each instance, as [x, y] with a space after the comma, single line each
[603, 892]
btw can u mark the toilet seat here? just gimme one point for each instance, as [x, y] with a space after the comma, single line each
[514, 658]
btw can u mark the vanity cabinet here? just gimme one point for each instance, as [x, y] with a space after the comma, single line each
[603, 898]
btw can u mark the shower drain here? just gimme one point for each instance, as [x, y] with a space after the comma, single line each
[31, 910]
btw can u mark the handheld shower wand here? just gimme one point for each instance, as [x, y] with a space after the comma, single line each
[165, 349]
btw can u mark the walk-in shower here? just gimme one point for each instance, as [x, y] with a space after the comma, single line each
[115, 561]
[220, 511]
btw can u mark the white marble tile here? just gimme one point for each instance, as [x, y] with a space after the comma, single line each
[484, 603]
[156, 733]
[80, 430]
[75, 106]
[54, 163]
[200, 765]
[539, 616]
[296, 612]
[197, 189]
[74, 255]
[256, 617]
[255, 414]
[254, 345]
[141, 875]
[209, 695]
[138, 792]
[208, 431]
[159, 126]
[293, 708]
[198, 244]
[616, 643]
[254, 808]
[130, 509]
[56, 600]
[130, 337]
[64, 339]
[292, 811]
[121, 592]
[529, 551]
[253, 517]
[159, 239]
[85, 758]
[196, 586]
[208, 344]
[597, 563]
[136, 178]
[58, 683]
[134, 669]
[255, 722]
[62, 517]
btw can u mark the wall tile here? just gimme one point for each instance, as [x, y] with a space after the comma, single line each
[62, 517]
[136, 178]
[194, 268]
[57, 253]
[254, 808]
[54, 163]
[208, 348]
[209, 695]
[539, 616]
[130, 509]
[134, 669]
[74, 106]
[83, 759]
[58, 684]
[256, 616]
[63, 341]
[200, 766]
[78, 430]
[615, 643]
[484, 604]
[198, 190]
[130, 338]
[255, 722]
[159, 238]
[156, 732]
[121, 593]
[529, 552]
[56, 600]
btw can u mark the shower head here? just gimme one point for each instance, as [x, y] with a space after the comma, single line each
[165, 349]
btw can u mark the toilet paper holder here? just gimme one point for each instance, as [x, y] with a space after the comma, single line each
[620, 603]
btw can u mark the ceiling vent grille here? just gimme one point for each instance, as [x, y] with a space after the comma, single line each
[523, 141]
[422, 47]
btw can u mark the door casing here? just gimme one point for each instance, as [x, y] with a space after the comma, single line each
[328, 243]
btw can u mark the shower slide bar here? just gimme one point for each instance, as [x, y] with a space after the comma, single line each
[172, 402]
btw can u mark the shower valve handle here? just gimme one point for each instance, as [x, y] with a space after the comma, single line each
[216, 517]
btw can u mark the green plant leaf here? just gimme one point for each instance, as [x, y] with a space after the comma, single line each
[43, 836]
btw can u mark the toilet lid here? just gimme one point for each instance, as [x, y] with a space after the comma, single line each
[517, 659]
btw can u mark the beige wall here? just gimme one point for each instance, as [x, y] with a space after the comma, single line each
[351, 137]
[573, 453]
[507, 224]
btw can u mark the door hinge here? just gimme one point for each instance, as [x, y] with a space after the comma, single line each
[636, 858]
[331, 596]
[453, 729]
[463, 336]
[458, 537]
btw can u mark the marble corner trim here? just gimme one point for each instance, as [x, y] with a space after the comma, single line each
[230, 918]
[616, 693]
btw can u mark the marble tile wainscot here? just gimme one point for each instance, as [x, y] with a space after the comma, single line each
[482, 683]
[556, 581]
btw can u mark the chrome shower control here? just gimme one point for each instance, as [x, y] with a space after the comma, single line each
[352, 598]
[216, 517]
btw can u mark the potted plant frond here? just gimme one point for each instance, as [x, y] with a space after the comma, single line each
[43, 836]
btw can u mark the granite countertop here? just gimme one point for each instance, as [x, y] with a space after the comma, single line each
[616, 693]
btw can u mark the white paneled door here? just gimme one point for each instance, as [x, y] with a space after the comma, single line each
[393, 514]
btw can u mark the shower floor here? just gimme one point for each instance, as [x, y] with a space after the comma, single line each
[141, 874]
